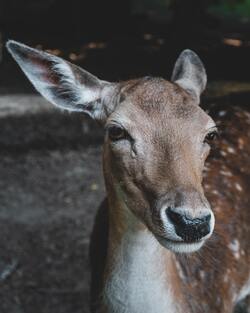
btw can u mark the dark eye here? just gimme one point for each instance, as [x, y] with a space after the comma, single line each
[116, 133]
[211, 136]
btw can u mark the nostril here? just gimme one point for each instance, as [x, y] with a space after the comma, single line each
[207, 218]
[174, 217]
[204, 229]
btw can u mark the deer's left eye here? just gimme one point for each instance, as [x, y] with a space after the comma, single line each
[211, 136]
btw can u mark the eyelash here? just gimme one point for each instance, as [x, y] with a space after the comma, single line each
[117, 133]
[211, 136]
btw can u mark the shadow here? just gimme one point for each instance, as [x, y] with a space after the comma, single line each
[47, 131]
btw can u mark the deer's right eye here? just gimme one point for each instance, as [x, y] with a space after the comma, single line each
[116, 133]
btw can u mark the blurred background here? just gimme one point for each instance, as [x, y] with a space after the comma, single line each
[50, 170]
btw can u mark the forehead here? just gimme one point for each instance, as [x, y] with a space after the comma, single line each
[152, 94]
[159, 102]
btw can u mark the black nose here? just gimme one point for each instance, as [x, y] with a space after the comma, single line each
[187, 228]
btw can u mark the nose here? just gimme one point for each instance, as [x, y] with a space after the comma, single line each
[189, 229]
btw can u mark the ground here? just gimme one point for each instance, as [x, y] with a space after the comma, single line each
[50, 187]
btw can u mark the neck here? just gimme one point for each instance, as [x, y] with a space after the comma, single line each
[139, 271]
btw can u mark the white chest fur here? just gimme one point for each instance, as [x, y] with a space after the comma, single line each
[138, 282]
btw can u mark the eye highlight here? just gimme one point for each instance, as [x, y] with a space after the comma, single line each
[116, 132]
[211, 136]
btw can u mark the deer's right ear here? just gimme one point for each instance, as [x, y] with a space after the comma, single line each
[62, 83]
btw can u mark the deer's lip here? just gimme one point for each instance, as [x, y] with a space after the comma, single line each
[181, 246]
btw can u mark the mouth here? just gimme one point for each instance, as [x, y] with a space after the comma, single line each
[180, 246]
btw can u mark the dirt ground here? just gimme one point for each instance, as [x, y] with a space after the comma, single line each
[50, 187]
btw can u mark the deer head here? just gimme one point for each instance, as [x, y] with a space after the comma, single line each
[156, 140]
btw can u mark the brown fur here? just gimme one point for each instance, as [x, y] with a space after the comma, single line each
[215, 274]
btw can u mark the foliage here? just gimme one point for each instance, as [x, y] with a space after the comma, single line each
[232, 8]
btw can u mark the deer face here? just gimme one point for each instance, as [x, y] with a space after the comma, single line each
[156, 140]
[155, 147]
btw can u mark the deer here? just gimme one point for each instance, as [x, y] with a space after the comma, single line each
[173, 234]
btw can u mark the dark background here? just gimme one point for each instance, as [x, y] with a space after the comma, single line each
[120, 39]
[50, 170]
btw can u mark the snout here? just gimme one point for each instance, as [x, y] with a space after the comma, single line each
[188, 228]
[185, 230]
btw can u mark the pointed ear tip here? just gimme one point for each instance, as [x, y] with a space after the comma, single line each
[192, 57]
[189, 52]
[13, 45]
[9, 45]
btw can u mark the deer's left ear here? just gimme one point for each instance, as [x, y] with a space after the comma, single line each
[189, 73]
[62, 83]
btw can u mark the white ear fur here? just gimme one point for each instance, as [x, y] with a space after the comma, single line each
[190, 74]
[62, 83]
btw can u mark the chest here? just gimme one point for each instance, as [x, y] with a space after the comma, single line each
[138, 282]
